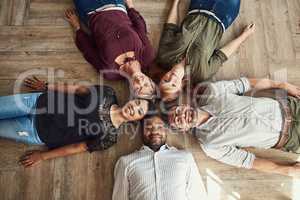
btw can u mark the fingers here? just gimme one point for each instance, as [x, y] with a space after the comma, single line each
[35, 78]
[69, 13]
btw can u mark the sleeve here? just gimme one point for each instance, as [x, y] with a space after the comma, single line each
[101, 143]
[230, 155]
[121, 185]
[138, 21]
[169, 46]
[195, 186]
[87, 47]
[239, 86]
[140, 27]
[216, 61]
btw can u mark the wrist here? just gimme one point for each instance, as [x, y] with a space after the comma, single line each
[44, 156]
[130, 5]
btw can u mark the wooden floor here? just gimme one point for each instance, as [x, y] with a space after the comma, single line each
[34, 35]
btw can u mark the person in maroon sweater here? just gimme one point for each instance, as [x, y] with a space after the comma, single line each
[118, 45]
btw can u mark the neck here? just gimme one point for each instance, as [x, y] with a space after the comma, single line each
[131, 69]
[155, 148]
[116, 116]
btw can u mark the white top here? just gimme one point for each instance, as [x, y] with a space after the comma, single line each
[237, 122]
[168, 174]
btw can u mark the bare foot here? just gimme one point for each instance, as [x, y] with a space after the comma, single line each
[72, 18]
[249, 30]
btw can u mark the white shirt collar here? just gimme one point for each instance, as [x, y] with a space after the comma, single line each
[162, 148]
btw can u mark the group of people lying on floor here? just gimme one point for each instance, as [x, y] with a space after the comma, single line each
[70, 119]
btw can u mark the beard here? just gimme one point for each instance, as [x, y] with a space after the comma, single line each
[155, 146]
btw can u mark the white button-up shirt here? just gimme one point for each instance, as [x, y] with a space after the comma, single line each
[237, 122]
[168, 174]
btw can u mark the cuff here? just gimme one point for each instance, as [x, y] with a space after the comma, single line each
[248, 164]
[222, 55]
[246, 84]
[171, 26]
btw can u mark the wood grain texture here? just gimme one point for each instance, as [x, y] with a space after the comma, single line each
[35, 35]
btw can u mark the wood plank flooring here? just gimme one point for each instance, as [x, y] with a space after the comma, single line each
[34, 35]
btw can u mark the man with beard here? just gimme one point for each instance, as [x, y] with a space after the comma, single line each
[157, 171]
[227, 123]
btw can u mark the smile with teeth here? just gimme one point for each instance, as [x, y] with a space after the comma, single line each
[189, 114]
[130, 110]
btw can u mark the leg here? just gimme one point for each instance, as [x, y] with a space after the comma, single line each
[21, 129]
[226, 10]
[17, 105]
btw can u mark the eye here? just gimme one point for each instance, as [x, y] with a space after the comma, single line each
[141, 112]
[137, 102]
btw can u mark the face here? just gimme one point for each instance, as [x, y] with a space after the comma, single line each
[155, 133]
[135, 110]
[183, 117]
[170, 84]
[142, 85]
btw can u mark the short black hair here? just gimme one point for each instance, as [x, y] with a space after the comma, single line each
[152, 111]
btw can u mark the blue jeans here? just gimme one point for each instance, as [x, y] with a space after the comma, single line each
[17, 118]
[226, 10]
[83, 7]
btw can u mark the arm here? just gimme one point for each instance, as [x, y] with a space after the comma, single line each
[263, 84]
[39, 85]
[268, 166]
[232, 46]
[121, 185]
[34, 157]
[242, 158]
[195, 186]
[215, 62]
[137, 20]
[87, 47]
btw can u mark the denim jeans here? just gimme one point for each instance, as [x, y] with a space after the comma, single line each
[17, 118]
[83, 7]
[226, 10]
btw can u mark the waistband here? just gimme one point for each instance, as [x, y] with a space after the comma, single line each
[107, 7]
[286, 124]
[208, 13]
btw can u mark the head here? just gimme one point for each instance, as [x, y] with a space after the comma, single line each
[171, 85]
[142, 85]
[135, 110]
[184, 117]
[154, 132]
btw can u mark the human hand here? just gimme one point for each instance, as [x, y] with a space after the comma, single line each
[293, 90]
[129, 3]
[31, 158]
[72, 18]
[249, 30]
[36, 84]
[294, 171]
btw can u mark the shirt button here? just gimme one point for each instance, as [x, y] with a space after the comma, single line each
[118, 36]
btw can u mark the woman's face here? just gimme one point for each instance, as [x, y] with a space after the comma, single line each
[135, 109]
[171, 80]
[143, 86]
